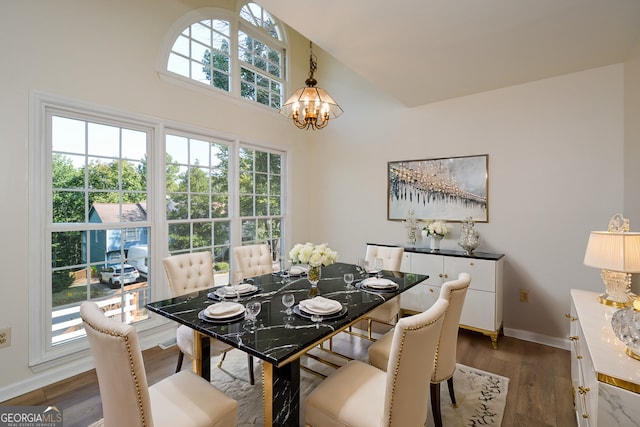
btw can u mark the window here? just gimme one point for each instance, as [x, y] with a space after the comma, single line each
[260, 182]
[95, 183]
[241, 54]
[197, 193]
[98, 204]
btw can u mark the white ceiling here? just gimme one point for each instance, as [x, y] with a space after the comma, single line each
[423, 51]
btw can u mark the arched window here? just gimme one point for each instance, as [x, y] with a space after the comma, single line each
[242, 54]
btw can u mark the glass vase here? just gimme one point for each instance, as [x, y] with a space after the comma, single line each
[435, 242]
[314, 275]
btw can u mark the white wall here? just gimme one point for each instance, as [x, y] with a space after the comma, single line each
[555, 152]
[103, 53]
[555, 173]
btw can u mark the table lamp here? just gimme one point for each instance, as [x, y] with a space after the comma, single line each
[617, 253]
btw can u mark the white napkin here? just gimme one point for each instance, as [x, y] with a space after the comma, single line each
[375, 283]
[224, 309]
[298, 270]
[242, 289]
[320, 305]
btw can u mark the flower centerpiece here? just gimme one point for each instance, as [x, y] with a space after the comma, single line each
[315, 256]
[436, 230]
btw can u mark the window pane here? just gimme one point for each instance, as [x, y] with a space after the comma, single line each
[177, 149]
[68, 135]
[261, 206]
[181, 45]
[202, 237]
[200, 52]
[179, 237]
[246, 205]
[200, 206]
[274, 206]
[248, 230]
[262, 183]
[68, 206]
[103, 140]
[178, 65]
[201, 33]
[219, 206]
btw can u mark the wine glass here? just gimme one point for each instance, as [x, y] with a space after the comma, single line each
[236, 289]
[253, 309]
[362, 266]
[317, 319]
[348, 279]
[221, 293]
[379, 265]
[288, 300]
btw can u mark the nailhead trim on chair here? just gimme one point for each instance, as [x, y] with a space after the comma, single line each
[133, 374]
[395, 370]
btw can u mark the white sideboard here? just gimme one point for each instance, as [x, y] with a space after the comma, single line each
[606, 382]
[482, 311]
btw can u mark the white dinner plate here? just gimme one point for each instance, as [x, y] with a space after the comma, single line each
[223, 310]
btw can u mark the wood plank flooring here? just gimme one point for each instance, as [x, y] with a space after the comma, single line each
[539, 388]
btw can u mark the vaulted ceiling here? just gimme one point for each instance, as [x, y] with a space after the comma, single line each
[423, 51]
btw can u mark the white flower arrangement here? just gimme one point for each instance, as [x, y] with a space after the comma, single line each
[438, 228]
[314, 255]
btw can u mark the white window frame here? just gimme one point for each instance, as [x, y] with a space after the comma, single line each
[236, 23]
[42, 355]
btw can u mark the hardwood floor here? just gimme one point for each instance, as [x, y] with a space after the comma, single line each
[539, 388]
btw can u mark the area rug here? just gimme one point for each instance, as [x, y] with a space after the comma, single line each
[481, 395]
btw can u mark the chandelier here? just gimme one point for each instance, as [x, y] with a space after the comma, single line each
[311, 107]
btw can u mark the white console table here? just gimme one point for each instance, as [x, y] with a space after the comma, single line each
[482, 310]
[606, 382]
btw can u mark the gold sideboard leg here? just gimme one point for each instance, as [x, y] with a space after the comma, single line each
[491, 334]
[494, 340]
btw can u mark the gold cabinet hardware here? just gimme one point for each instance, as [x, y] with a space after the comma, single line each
[574, 338]
[583, 390]
[570, 317]
[578, 357]
[472, 263]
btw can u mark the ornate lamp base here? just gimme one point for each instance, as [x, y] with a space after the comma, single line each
[607, 300]
[617, 289]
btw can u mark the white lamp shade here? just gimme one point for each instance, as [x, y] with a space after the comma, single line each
[613, 251]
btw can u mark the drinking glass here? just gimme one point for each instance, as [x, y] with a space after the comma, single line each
[253, 309]
[348, 279]
[285, 268]
[379, 264]
[221, 293]
[236, 289]
[317, 319]
[361, 266]
[288, 300]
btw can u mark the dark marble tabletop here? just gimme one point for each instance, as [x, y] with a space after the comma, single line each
[277, 337]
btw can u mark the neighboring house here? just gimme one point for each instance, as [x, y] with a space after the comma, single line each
[107, 244]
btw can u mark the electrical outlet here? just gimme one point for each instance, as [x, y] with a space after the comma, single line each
[524, 295]
[5, 337]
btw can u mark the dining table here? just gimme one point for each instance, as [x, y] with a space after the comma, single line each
[275, 337]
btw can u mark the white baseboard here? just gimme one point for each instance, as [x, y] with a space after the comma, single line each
[562, 343]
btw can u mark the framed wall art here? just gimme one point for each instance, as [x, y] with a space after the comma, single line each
[449, 189]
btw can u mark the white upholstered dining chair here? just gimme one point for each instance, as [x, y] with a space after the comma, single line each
[361, 395]
[388, 312]
[192, 272]
[182, 399]
[252, 260]
[444, 363]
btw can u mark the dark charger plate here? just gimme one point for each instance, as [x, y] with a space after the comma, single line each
[224, 321]
[306, 315]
